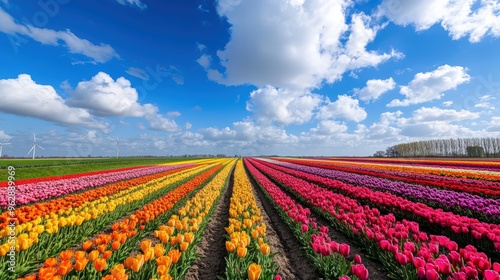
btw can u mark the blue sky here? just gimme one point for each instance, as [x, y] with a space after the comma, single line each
[248, 77]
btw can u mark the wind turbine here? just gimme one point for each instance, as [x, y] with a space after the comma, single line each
[117, 147]
[1, 148]
[33, 147]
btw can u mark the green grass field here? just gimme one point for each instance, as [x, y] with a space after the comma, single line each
[28, 168]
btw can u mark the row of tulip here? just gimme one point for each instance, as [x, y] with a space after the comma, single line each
[486, 209]
[52, 223]
[45, 240]
[405, 250]
[459, 164]
[175, 241]
[61, 205]
[105, 250]
[473, 186]
[468, 230]
[249, 254]
[327, 255]
[449, 172]
[36, 192]
[66, 176]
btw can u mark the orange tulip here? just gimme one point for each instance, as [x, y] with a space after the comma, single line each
[115, 245]
[79, 255]
[145, 245]
[66, 255]
[164, 260]
[100, 264]
[184, 246]
[93, 255]
[230, 246]
[101, 248]
[241, 252]
[50, 262]
[87, 245]
[165, 277]
[189, 237]
[118, 272]
[162, 270]
[137, 263]
[149, 254]
[175, 255]
[159, 250]
[64, 267]
[107, 254]
[47, 272]
[254, 271]
[129, 261]
[80, 264]
[265, 249]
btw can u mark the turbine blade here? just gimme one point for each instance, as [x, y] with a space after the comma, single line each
[34, 138]
[40, 147]
[32, 147]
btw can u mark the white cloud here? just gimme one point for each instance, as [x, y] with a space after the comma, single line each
[23, 96]
[173, 114]
[448, 103]
[188, 126]
[4, 136]
[99, 53]
[473, 18]
[329, 127]
[282, 106]
[374, 89]
[484, 102]
[103, 96]
[425, 114]
[293, 44]
[385, 129]
[431, 85]
[204, 61]
[344, 107]
[138, 73]
[137, 3]
[437, 129]
[494, 125]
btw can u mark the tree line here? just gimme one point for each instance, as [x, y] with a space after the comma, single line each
[460, 147]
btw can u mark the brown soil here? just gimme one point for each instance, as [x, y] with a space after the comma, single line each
[290, 258]
[212, 248]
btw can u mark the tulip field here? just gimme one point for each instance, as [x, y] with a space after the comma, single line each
[256, 218]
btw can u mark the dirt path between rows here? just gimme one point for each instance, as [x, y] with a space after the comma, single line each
[290, 258]
[212, 248]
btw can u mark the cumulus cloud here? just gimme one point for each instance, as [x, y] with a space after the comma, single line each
[431, 85]
[494, 125]
[425, 114]
[137, 3]
[23, 96]
[386, 128]
[345, 107]
[448, 103]
[4, 136]
[328, 127]
[374, 89]
[437, 129]
[98, 53]
[282, 106]
[293, 44]
[105, 97]
[473, 18]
